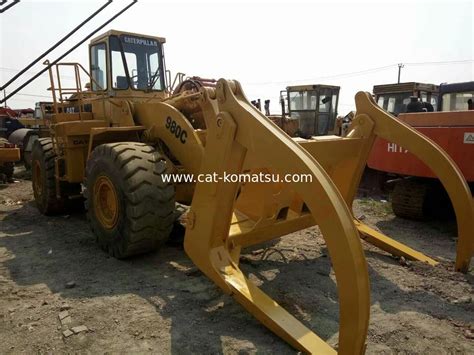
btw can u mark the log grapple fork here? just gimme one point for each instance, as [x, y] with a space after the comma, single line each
[226, 216]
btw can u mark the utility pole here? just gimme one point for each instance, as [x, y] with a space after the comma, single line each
[400, 66]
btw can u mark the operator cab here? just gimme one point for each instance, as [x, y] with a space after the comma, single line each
[456, 97]
[394, 98]
[127, 62]
[314, 106]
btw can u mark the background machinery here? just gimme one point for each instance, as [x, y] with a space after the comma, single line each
[9, 154]
[119, 142]
[417, 193]
[23, 129]
[308, 110]
[394, 98]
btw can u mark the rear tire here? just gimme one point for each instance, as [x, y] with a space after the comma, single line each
[129, 207]
[44, 181]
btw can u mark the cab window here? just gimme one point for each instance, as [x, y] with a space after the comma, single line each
[136, 63]
[119, 75]
[303, 100]
[99, 67]
[457, 101]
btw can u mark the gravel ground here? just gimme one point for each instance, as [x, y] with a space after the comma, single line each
[60, 293]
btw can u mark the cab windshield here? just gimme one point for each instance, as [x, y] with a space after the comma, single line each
[136, 63]
[457, 101]
[394, 103]
[316, 110]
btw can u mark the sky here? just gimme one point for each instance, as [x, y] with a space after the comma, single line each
[266, 45]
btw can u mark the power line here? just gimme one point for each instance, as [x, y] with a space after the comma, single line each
[18, 99]
[366, 71]
[33, 95]
[363, 72]
[370, 70]
[442, 62]
[32, 72]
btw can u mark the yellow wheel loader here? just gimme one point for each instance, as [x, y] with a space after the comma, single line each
[124, 136]
[308, 110]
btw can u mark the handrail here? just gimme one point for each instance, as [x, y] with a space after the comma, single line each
[59, 100]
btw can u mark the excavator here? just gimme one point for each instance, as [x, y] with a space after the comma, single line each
[118, 142]
[417, 193]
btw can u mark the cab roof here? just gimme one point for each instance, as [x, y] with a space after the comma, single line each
[118, 33]
[456, 87]
[404, 87]
[310, 87]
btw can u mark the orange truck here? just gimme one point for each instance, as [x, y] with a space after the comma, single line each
[416, 192]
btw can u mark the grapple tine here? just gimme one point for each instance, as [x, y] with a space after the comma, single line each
[242, 131]
[438, 161]
[390, 245]
[274, 316]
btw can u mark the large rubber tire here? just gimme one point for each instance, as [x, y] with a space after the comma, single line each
[408, 199]
[26, 154]
[44, 181]
[139, 206]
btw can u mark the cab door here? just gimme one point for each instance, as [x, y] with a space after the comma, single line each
[326, 111]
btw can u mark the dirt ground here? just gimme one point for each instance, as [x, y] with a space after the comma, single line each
[50, 268]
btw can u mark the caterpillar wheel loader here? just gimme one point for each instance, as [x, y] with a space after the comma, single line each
[123, 137]
[308, 110]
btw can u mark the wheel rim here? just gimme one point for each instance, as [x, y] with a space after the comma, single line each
[37, 179]
[105, 202]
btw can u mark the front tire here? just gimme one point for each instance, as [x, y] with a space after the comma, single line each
[129, 206]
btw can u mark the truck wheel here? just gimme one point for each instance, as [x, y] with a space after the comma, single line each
[129, 206]
[408, 198]
[44, 181]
